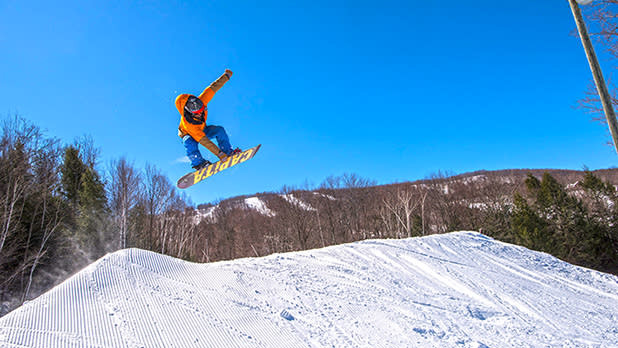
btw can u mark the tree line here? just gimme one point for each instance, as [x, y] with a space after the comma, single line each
[59, 211]
[569, 214]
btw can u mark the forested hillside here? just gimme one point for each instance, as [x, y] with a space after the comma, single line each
[60, 209]
[570, 214]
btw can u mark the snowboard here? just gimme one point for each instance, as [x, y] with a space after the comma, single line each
[193, 178]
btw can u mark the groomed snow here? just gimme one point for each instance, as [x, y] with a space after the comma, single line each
[456, 290]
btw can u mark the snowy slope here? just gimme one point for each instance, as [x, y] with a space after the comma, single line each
[259, 205]
[457, 290]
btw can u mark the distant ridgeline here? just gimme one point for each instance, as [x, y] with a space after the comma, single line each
[569, 214]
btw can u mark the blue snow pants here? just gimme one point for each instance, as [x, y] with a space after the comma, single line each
[212, 132]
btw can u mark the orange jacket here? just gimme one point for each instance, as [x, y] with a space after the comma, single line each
[196, 131]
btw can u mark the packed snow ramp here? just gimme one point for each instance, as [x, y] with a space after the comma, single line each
[456, 290]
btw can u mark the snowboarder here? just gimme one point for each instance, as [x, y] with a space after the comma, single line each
[193, 129]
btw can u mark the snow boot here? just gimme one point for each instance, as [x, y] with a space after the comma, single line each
[204, 164]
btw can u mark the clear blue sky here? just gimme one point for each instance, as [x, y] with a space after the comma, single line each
[390, 90]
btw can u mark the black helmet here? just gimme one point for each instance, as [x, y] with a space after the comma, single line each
[194, 110]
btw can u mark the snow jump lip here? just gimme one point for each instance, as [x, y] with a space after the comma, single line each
[455, 290]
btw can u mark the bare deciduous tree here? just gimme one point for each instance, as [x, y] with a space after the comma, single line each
[30, 209]
[401, 206]
[123, 191]
[602, 20]
[158, 193]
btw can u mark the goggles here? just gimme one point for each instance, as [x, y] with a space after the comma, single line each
[197, 112]
[195, 106]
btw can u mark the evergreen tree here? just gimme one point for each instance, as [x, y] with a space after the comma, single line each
[93, 213]
[602, 241]
[72, 170]
[530, 229]
[84, 191]
[565, 215]
[92, 192]
[560, 223]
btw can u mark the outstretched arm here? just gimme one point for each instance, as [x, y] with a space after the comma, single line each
[210, 91]
[206, 96]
